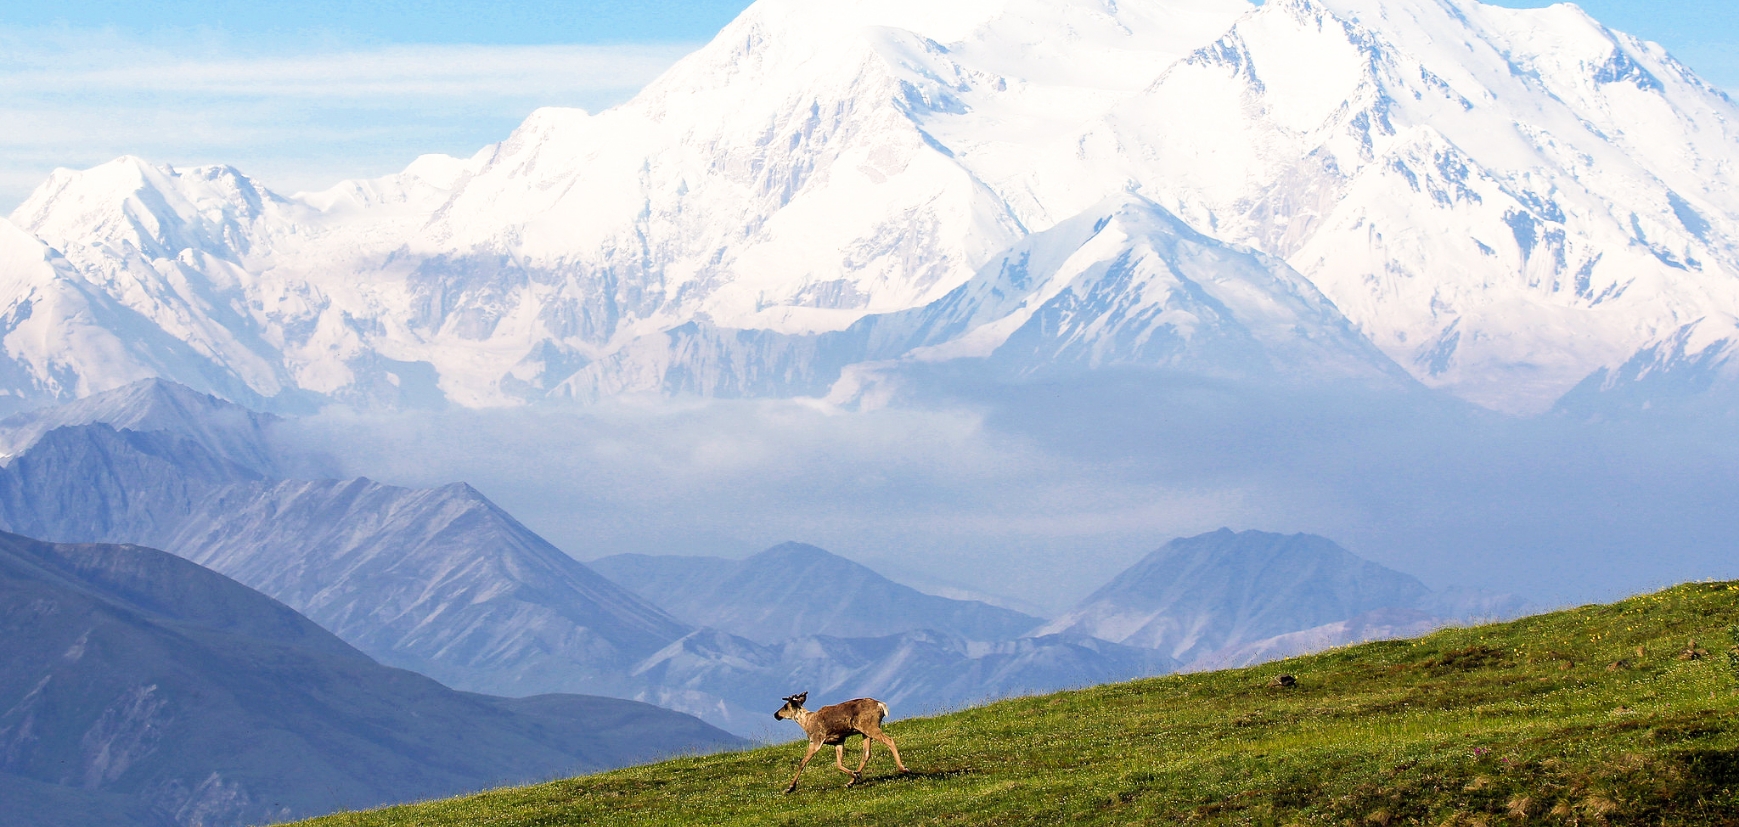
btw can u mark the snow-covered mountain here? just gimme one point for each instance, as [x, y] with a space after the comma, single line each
[64, 336]
[1506, 203]
[190, 256]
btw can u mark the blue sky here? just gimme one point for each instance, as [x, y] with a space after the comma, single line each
[1702, 33]
[302, 93]
[506, 22]
[522, 22]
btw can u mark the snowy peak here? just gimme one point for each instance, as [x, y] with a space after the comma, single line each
[824, 142]
[160, 210]
[1123, 284]
[64, 337]
[422, 187]
[1624, 90]
[795, 207]
[25, 262]
[1128, 283]
[1468, 184]
[171, 255]
[1503, 202]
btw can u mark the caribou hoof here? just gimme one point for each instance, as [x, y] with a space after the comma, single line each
[791, 789]
[855, 777]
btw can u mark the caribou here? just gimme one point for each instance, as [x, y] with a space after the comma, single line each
[831, 725]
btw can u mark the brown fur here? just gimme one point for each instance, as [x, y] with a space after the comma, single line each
[831, 725]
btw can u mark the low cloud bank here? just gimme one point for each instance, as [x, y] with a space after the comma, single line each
[1041, 492]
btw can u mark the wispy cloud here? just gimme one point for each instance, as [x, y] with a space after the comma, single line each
[298, 119]
[388, 72]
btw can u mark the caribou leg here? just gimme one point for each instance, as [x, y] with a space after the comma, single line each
[839, 761]
[882, 737]
[867, 741]
[813, 748]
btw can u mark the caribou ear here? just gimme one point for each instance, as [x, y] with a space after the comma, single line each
[800, 698]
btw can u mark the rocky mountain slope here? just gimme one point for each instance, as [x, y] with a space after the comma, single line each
[727, 679]
[437, 580]
[1208, 598]
[443, 582]
[795, 590]
[226, 431]
[1505, 204]
[140, 689]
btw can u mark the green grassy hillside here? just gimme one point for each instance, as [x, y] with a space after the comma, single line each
[1621, 714]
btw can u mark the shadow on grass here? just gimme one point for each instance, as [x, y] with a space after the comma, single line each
[913, 777]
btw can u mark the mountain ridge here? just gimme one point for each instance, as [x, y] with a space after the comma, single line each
[229, 432]
[795, 590]
[443, 582]
[809, 170]
[142, 689]
[1203, 598]
[412, 576]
